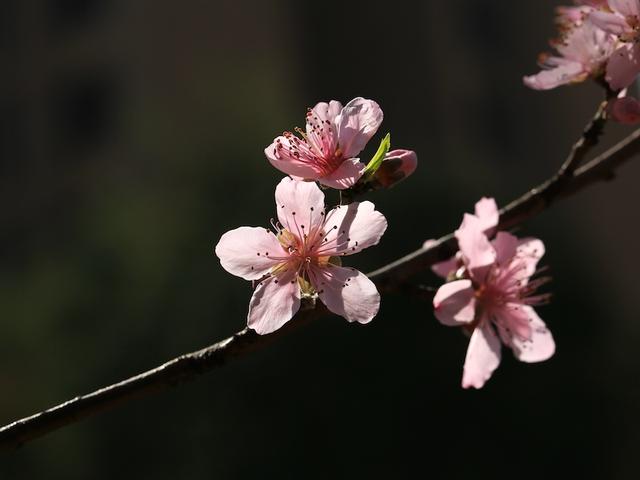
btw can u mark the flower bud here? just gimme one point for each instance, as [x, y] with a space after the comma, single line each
[396, 166]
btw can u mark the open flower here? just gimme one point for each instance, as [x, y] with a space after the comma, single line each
[623, 20]
[583, 53]
[301, 258]
[327, 151]
[494, 300]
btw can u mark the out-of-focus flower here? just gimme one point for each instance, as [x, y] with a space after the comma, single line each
[622, 19]
[486, 211]
[493, 300]
[395, 167]
[624, 110]
[327, 151]
[583, 52]
[301, 258]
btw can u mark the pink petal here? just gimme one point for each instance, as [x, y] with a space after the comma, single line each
[486, 210]
[505, 245]
[561, 75]
[443, 269]
[322, 131]
[625, 110]
[446, 268]
[299, 205]
[483, 357]
[623, 66]
[455, 304]
[346, 292]
[475, 247]
[246, 252]
[351, 228]
[628, 8]
[274, 302]
[345, 176]
[540, 346]
[284, 159]
[610, 22]
[357, 123]
[530, 251]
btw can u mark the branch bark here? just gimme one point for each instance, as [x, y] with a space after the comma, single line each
[389, 278]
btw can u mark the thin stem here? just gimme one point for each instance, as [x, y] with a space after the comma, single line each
[589, 138]
[388, 278]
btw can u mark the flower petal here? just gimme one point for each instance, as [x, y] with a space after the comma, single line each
[567, 72]
[322, 131]
[357, 123]
[300, 205]
[455, 304]
[530, 251]
[610, 22]
[346, 292]
[486, 210]
[290, 160]
[623, 66]
[476, 249]
[483, 357]
[628, 8]
[351, 228]
[247, 252]
[540, 346]
[274, 302]
[345, 176]
[505, 245]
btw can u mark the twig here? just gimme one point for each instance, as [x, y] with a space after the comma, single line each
[388, 278]
[590, 136]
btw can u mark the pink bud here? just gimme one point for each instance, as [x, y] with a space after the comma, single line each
[396, 166]
[624, 110]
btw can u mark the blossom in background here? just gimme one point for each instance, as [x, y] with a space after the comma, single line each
[625, 110]
[493, 299]
[327, 151]
[568, 17]
[583, 52]
[622, 19]
[301, 257]
[486, 211]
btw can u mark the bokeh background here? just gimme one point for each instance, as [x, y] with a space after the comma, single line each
[131, 138]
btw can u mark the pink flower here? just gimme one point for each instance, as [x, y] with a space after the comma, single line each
[623, 20]
[494, 299]
[583, 53]
[486, 211]
[396, 166]
[328, 150]
[299, 259]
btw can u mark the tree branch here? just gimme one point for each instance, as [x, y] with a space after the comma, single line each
[389, 278]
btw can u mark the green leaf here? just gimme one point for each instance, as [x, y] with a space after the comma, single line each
[376, 161]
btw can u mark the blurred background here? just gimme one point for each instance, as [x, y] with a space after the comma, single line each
[131, 139]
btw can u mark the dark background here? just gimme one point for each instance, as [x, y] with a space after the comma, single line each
[131, 138]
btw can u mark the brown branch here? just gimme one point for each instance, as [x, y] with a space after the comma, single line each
[388, 278]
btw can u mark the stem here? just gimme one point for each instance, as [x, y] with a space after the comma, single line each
[567, 181]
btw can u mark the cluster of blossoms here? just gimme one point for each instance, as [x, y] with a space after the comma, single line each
[599, 39]
[489, 291]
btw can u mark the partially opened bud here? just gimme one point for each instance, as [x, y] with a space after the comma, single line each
[396, 166]
[624, 110]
